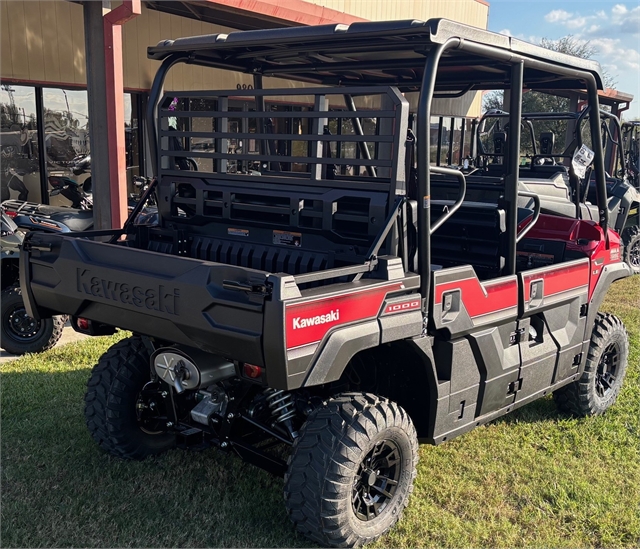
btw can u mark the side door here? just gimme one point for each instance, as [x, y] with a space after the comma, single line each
[478, 321]
[551, 325]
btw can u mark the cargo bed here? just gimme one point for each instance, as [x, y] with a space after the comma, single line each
[172, 298]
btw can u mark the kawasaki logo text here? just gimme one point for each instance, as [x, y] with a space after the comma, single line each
[333, 316]
[158, 298]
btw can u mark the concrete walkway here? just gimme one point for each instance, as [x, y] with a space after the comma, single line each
[69, 335]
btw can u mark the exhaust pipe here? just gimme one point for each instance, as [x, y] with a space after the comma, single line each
[177, 369]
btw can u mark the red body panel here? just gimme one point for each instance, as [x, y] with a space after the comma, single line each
[309, 321]
[584, 236]
[482, 298]
[558, 279]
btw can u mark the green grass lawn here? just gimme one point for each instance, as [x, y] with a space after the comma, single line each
[532, 479]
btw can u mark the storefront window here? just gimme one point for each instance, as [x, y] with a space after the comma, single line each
[132, 140]
[67, 147]
[20, 169]
[434, 136]
[66, 137]
[467, 145]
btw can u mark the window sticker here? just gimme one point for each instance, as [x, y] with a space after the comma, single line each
[582, 159]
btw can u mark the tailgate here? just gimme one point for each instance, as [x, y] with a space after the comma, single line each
[177, 299]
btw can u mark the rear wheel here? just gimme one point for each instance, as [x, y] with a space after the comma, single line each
[600, 383]
[631, 250]
[115, 398]
[21, 333]
[351, 470]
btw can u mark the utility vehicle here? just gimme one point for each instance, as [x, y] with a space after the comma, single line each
[19, 333]
[631, 149]
[300, 291]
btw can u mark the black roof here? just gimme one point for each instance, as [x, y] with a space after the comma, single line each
[385, 52]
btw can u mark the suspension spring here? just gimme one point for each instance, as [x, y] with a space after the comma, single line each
[281, 405]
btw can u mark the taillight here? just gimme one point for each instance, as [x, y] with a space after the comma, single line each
[11, 214]
[83, 324]
[252, 371]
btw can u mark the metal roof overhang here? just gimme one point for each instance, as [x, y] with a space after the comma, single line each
[253, 14]
[609, 96]
[383, 53]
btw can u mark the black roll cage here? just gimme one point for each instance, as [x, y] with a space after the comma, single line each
[518, 55]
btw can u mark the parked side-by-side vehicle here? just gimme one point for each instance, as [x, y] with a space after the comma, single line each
[302, 292]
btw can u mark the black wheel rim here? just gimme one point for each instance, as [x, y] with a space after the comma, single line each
[376, 481]
[607, 371]
[20, 326]
[634, 254]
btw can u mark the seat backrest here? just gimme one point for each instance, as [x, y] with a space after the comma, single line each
[547, 141]
[500, 143]
[474, 235]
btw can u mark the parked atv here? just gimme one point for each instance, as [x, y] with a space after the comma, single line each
[73, 191]
[82, 165]
[300, 305]
[19, 332]
[631, 149]
[33, 215]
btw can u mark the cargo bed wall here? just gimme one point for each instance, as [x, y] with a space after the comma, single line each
[172, 298]
[285, 228]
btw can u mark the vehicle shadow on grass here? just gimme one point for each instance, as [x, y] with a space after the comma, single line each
[53, 470]
[543, 409]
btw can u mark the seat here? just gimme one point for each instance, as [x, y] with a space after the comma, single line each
[76, 220]
[474, 235]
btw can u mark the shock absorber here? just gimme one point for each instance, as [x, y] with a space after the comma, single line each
[282, 408]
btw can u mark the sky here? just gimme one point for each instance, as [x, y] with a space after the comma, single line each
[612, 28]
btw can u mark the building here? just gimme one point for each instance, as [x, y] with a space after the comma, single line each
[44, 111]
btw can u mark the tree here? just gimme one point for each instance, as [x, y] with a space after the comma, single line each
[534, 101]
[571, 45]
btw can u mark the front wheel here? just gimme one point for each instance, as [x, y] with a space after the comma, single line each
[351, 470]
[631, 248]
[598, 387]
[22, 334]
[114, 399]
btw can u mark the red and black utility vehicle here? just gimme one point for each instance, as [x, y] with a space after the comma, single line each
[307, 287]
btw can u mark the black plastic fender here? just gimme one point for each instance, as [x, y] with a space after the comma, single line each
[610, 273]
[341, 346]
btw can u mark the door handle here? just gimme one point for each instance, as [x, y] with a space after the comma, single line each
[536, 294]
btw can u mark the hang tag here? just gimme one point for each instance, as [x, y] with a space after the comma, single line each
[581, 160]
